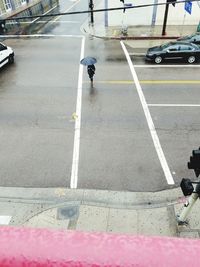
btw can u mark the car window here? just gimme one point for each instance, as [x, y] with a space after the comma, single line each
[196, 38]
[173, 48]
[185, 48]
[164, 46]
[2, 47]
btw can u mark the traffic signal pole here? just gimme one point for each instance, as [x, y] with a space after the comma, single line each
[188, 189]
[181, 219]
[173, 2]
[165, 18]
[91, 6]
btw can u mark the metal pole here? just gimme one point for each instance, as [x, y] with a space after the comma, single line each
[183, 23]
[154, 13]
[165, 18]
[91, 6]
[106, 14]
[188, 206]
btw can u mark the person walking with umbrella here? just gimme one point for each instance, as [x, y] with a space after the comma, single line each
[89, 62]
[91, 71]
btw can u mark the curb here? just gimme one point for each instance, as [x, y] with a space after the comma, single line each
[103, 198]
[121, 37]
[136, 37]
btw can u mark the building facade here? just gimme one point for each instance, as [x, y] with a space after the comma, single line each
[19, 8]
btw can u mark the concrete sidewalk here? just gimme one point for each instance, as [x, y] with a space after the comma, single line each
[137, 32]
[98, 210]
[123, 31]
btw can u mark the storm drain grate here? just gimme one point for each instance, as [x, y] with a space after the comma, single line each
[67, 213]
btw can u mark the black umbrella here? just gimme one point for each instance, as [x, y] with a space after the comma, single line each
[88, 61]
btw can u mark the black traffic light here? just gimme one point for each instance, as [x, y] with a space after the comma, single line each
[187, 187]
[194, 162]
[172, 2]
[123, 3]
[2, 26]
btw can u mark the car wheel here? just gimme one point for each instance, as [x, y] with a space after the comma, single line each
[191, 59]
[158, 59]
[11, 59]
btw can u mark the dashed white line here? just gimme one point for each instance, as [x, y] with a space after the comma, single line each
[150, 123]
[75, 160]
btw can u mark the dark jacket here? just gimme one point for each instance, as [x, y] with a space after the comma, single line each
[91, 70]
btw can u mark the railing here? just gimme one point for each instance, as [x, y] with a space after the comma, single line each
[42, 247]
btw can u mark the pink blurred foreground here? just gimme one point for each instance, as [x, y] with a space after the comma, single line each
[42, 247]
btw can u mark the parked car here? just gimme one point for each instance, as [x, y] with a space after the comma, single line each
[193, 38]
[174, 51]
[6, 55]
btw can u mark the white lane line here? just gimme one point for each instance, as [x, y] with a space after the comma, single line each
[44, 14]
[150, 123]
[136, 54]
[43, 22]
[75, 160]
[4, 220]
[40, 35]
[68, 9]
[166, 66]
[174, 105]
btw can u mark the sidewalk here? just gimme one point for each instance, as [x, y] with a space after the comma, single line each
[130, 32]
[136, 32]
[98, 210]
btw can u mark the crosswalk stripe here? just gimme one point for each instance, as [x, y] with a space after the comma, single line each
[5, 220]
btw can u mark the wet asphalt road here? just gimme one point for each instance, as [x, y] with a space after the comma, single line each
[38, 98]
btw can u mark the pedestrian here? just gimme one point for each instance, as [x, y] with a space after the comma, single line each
[91, 71]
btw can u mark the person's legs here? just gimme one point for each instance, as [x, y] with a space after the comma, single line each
[91, 79]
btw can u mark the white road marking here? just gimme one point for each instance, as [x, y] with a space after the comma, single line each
[75, 160]
[75, 3]
[52, 21]
[44, 14]
[43, 22]
[166, 66]
[136, 54]
[4, 220]
[150, 123]
[40, 35]
[174, 105]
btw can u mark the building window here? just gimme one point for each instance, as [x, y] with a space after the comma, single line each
[7, 5]
[19, 3]
[23, 2]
